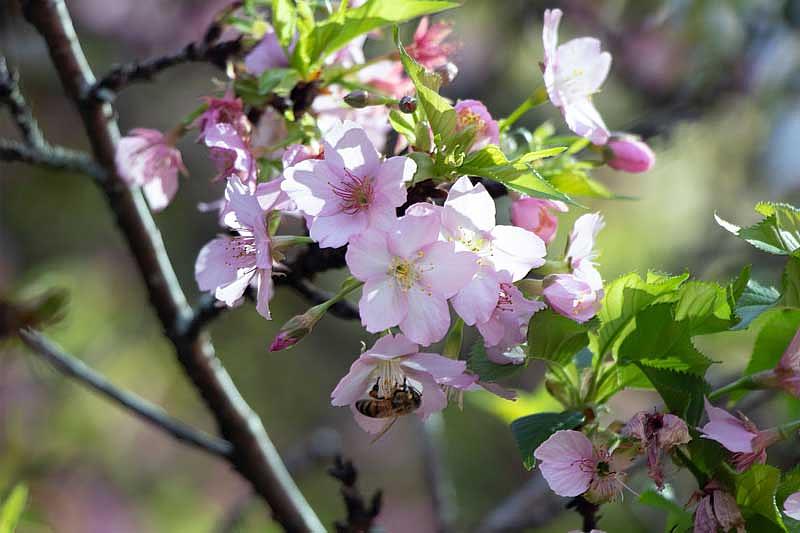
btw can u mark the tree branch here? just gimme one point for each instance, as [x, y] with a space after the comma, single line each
[11, 97]
[359, 516]
[254, 455]
[54, 157]
[76, 369]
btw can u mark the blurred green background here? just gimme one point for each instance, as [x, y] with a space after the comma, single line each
[714, 85]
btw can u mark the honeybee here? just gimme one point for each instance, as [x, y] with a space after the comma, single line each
[402, 401]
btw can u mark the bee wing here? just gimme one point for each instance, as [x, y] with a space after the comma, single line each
[386, 428]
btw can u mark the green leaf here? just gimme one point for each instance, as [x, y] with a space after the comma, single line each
[440, 114]
[755, 493]
[284, 20]
[620, 378]
[554, 337]
[790, 483]
[708, 455]
[488, 371]
[755, 300]
[624, 298]
[576, 182]
[780, 325]
[790, 283]
[678, 518]
[403, 124]
[777, 233]
[704, 307]
[277, 80]
[532, 430]
[490, 162]
[12, 508]
[682, 393]
[540, 154]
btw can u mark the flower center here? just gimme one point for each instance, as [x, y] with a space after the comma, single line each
[240, 251]
[473, 241]
[390, 376]
[504, 300]
[404, 273]
[468, 118]
[356, 193]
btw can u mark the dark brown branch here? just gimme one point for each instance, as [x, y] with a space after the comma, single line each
[123, 75]
[360, 516]
[155, 416]
[254, 455]
[54, 157]
[587, 510]
[12, 98]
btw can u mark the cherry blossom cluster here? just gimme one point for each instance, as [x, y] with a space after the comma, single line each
[370, 159]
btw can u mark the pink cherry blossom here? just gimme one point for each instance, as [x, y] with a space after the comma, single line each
[468, 382]
[226, 110]
[573, 466]
[473, 113]
[739, 435]
[573, 72]
[267, 54]
[791, 506]
[429, 47]
[148, 159]
[395, 361]
[578, 295]
[408, 275]
[229, 264]
[536, 215]
[630, 154]
[508, 324]
[350, 189]
[656, 433]
[231, 154]
[468, 220]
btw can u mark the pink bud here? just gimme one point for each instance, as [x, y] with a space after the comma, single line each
[536, 215]
[630, 154]
[572, 296]
[297, 327]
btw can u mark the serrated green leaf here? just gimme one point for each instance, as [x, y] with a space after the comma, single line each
[540, 154]
[620, 378]
[704, 307]
[778, 233]
[554, 337]
[576, 182]
[790, 283]
[403, 124]
[708, 455]
[755, 300]
[659, 341]
[755, 493]
[284, 20]
[682, 393]
[780, 325]
[532, 430]
[624, 298]
[12, 508]
[480, 364]
[331, 34]
[490, 162]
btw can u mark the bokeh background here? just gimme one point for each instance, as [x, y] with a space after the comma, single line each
[715, 87]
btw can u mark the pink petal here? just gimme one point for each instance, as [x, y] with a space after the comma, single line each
[370, 425]
[792, 506]
[473, 202]
[368, 256]
[516, 251]
[427, 318]
[354, 385]
[347, 146]
[583, 236]
[412, 232]
[232, 293]
[391, 346]
[552, 17]
[308, 185]
[583, 55]
[728, 430]
[438, 366]
[264, 293]
[391, 178]
[564, 457]
[382, 305]
[433, 397]
[217, 264]
[335, 230]
[477, 300]
[583, 118]
[444, 271]
[161, 190]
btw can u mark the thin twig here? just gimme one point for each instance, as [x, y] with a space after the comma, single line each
[76, 369]
[54, 157]
[360, 516]
[254, 455]
[12, 98]
[342, 309]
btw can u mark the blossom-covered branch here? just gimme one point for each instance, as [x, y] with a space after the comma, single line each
[76, 369]
[254, 455]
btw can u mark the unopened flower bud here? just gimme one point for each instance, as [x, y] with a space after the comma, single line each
[357, 99]
[630, 154]
[296, 328]
[407, 104]
[447, 73]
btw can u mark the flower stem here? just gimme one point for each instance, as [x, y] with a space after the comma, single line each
[743, 383]
[452, 344]
[538, 97]
[348, 286]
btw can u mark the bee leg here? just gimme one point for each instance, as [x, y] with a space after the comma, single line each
[384, 430]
